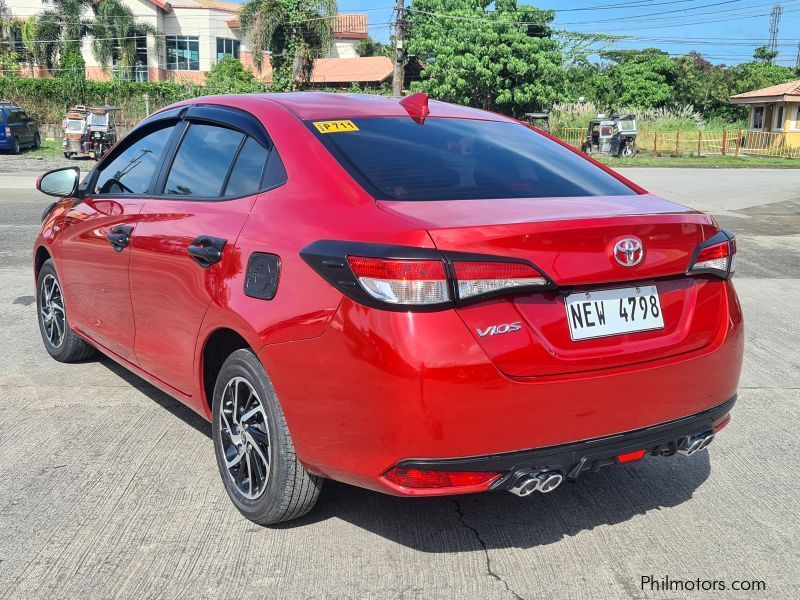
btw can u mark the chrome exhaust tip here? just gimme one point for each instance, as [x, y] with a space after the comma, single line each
[693, 444]
[544, 482]
[548, 482]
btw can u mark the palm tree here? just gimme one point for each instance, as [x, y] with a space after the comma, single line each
[115, 31]
[28, 29]
[44, 38]
[294, 31]
[74, 26]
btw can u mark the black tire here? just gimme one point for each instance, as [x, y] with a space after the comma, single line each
[286, 491]
[14, 145]
[61, 342]
[68, 155]
[37, 142]
[629, 151]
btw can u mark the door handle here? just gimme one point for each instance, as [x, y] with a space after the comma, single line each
[206, 250]
[120, 237]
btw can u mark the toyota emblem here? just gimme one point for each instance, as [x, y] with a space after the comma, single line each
[629, 252]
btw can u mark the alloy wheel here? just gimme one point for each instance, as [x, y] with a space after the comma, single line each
[51, 309]
[244, 433]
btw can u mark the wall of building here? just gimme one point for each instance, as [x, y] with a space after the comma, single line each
[344, 48]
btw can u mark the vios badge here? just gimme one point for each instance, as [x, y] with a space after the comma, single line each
[500, 329]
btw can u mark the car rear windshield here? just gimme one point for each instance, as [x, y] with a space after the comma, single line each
[460, 159]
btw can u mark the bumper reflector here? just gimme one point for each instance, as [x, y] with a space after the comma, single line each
[720, 424]
[630, 457]
[424, 479]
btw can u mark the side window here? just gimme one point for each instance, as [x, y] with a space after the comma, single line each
[245, 178]
[132, 171]
[203, 161]
[13, 117]
[23, 116]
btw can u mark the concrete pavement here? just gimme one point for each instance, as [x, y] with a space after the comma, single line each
[108, 487]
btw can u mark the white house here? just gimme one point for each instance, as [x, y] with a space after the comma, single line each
[194, 35]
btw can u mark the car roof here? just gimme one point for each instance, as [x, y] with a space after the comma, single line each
[326, 105]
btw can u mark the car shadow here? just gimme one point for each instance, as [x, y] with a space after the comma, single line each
[490, 520]
[163, 399]
[502, 520]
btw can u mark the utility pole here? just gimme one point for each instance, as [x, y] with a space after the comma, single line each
[399, 25]
[797, 62]
[774, 25]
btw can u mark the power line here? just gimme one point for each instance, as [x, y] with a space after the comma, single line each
[741, 11]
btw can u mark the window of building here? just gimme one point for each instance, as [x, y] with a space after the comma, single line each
[226, 47]
[16, 41]
[758, 117]
[778, 124]
[137, 72]
[183, 53]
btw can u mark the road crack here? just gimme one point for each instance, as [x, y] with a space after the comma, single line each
[488, 559]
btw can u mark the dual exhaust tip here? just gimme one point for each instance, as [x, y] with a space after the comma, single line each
[693, 444]
[543, 482]
[546, 481]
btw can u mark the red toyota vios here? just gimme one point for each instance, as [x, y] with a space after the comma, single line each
[417, 298]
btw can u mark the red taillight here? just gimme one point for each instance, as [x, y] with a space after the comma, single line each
[630, 457]
[716, 256]
[401, 278]
[714, 252]
[476, 278]
[402, 281]
[410, 478]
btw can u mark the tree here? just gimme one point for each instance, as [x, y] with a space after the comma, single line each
[29, 35]
[73, 28]
[114, 34]
[498, 56]
[640, 78]
[229, 74]
[45, 38]
[369, 47]
[295, 32]
[764, 54]
[702, 84]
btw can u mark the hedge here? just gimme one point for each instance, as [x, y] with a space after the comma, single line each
[47, 99]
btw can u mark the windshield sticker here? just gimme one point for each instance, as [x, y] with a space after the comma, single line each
[335, 126]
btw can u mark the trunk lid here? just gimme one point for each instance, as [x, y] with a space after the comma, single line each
[572, 241]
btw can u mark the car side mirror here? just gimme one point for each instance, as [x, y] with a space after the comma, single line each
[59, 182]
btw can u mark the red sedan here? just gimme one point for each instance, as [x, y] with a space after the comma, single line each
[413, 297]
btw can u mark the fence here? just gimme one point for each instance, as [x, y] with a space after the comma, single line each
[732, 142]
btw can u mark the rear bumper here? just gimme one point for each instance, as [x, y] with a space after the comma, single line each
[571, 460]
[378, 388]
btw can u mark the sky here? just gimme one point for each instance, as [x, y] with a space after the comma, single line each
[725, 31]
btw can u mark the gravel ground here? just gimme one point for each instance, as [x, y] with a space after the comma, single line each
[27, 163]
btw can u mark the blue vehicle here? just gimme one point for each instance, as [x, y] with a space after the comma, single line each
[17, 129]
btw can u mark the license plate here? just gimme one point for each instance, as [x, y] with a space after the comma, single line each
[613, 312]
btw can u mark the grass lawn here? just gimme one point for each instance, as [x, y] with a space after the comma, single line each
[48, 148]
[710, 162]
